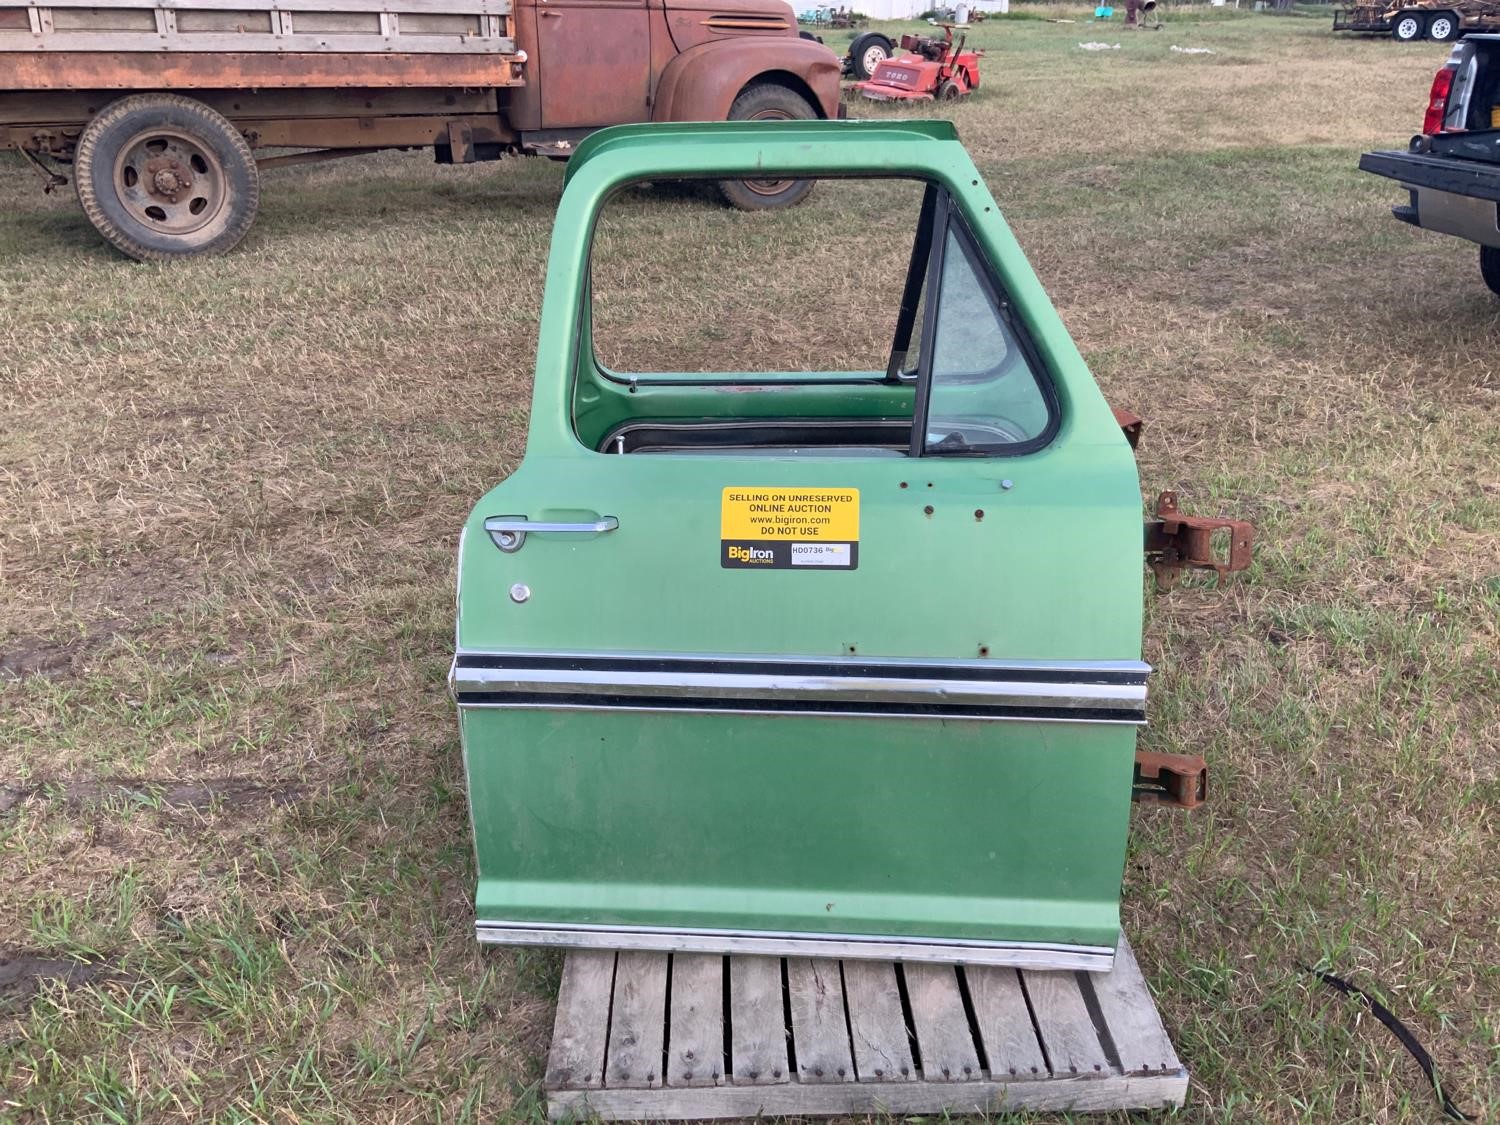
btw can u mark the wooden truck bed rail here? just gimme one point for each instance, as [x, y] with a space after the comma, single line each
[406, 26]
[265, 44]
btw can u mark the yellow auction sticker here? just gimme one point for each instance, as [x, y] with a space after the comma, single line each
[789, 528]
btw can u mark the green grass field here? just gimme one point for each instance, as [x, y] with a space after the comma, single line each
[234, 857]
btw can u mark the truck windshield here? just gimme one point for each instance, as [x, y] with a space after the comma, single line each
[896, 338]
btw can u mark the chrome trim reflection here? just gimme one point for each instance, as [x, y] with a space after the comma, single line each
[967, 689]
[1012, 954]
[854, 689]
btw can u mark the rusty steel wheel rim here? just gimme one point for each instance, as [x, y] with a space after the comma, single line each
[770, 187]
[169, 182]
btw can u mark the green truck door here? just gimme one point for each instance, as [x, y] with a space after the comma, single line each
[836, 667]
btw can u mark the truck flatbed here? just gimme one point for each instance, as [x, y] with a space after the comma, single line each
[267, 44]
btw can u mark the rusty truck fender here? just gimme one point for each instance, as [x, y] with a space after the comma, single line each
[701, 83]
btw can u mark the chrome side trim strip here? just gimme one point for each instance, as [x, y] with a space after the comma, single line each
[1012, 954]
[1104, 692]
[864, 689]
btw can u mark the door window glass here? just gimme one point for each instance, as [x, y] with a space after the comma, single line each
[985, 392]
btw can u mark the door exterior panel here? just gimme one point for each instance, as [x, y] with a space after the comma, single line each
[930, 750]
[799, 825]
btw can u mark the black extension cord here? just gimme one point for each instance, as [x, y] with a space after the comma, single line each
[1401, 1032]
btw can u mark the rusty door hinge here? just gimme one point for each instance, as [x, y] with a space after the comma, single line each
[1170, 779]
[1131, 423]
[1175, 542]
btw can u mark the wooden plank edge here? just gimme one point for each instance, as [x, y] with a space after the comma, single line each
[1118, 1092]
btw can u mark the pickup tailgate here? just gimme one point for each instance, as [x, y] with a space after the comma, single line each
[1477, 179]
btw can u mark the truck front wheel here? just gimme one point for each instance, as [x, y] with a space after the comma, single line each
[1489, 267]
[162, 176]
[768, 102]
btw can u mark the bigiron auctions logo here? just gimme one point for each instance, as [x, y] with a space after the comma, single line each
[741, 554]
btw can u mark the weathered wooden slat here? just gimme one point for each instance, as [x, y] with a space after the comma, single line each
[1066, 1028]
[1050, 1094]
[882, 1052]
[695, 1038]
[757, 1026]
[1005, 1030]
[212, 42]
[1130, 1014]
[576, 1059]
[637, 1021]
[432, 7]
[260, 70]
[944, 1043]
[820, 1031]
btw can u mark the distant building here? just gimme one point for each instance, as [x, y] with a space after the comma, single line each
[910, 9]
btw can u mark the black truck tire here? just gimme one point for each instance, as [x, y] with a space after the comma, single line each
[162, 176]
[1442, 27]
[768, 101]
[1407, 27]
[1489, 267]
[867, 52]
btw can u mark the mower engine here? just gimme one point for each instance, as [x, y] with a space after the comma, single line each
[929, 70]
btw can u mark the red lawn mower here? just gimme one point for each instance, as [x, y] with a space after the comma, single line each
[929, 70]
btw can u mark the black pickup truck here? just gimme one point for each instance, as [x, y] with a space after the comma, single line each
[1452, 168]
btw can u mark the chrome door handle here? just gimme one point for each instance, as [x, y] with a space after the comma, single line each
[509, 532]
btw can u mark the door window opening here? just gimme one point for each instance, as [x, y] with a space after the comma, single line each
[763, 335]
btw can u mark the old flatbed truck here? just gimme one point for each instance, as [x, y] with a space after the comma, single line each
[164, 108]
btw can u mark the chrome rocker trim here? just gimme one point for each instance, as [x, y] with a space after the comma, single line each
[1076, 691]
[655, 939]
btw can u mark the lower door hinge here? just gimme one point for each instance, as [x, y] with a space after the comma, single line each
[1170, 779]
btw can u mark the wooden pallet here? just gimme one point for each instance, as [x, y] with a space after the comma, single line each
[689, 1036]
